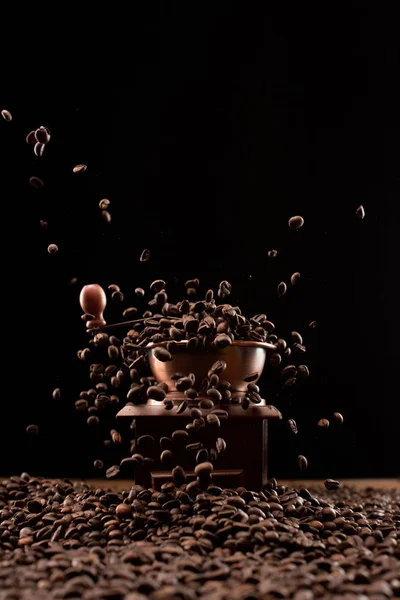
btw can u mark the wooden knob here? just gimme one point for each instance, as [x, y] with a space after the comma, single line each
[93, 302]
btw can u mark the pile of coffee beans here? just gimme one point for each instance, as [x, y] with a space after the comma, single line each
[60, 539]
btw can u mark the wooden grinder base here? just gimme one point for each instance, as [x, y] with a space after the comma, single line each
[244, 463]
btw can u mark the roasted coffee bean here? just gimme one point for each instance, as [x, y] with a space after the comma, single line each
[52, 249]
[331, 484]
[180, 436]
[178, 475]
[303, 371]
[292, 426]
[36, 183]
[166, 457]
[299, 348]
[205, 467]
[313, 324]
[202, 456]
[220, 445]
[7, 116]
[222, 340]
[104, 204]
[42, 135]
[112, 472]
[32, 430]
[81, 405]
[360, 212]
[253, 387]
[206, 403]
[183, 384]
[295, 278]
[139, 292]
[130, 313]
[272, 253]
[162, 354]
[290, 381]
[296, 337]
[113, 352]
[116, 437]
[31, 138]
[338, 417]
[195, 413]
[281, 289]
[252, 377]
[254, 397]
[168, 404]
[245, 402]
[302, 462]
[289, 371]
[145, 256]
[214, 394]
[145, 443]
[93, 420]
[296, 222]
[56, 394]
[194, 447]
[157, 285]
[191, 393]
[218, 367]
[323, 423]
[212, 419]
[182, 406]
[81, 168]
[38, 149]
[138, 458]
[275, 359]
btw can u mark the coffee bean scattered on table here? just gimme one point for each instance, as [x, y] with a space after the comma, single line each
[63, 539]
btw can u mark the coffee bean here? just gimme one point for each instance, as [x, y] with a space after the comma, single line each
[331, 484]
[183, 384]
[299, 348]
[166, 457]
[220, 445]
[116, 437]
[32, 430]
[338, 417]
[191, 393]
[57, 394]
[212, 419]
[178, 475]
[139, 292]
[275, 359]
[93, 420]
[202, 456]
[31, 138]
[112, 472]
[289, 371]
[195, 413]
[180, 436]
[194, 447]
[205, 467]
[281, 289]
[290, 381]
[42, 135]
[252, 377]
[36, 183]
[181, 407]
[145, 256]
[302, 462]
[323, 423]
[106, 216]
[296, 222]
[168, 404]
[296, 337]
[292, 426]
[360, 212]
[253, 387]
[218, 367]
[104, 204]
[303, 371]
[52, 249]
[98, 465]
[162, 354]
[81, 168]
[313, 324]
[81, 405]
[7, 116]
[295, 278]
[272, 253]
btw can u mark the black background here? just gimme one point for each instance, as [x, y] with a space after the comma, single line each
[229, 123]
